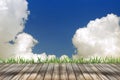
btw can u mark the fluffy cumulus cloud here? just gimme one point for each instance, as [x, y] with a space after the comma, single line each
[13, 41]
[13, 14]
[101, 37]
[24, 44]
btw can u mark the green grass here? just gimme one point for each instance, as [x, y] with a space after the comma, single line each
[81, 60]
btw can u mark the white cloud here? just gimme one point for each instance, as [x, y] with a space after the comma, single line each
[3, 5]
[13, 14]
[11, 19]
[101, 37]
[23, 45]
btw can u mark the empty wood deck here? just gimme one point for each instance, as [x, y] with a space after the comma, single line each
[63, 71]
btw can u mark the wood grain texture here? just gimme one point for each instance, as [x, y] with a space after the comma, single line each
[78, 72]
[91, 72]
[13, 71]
[71, 74]
[85, 73]
[35, 72]
[55, 75]
[49, 72]
[106, 71]
[98, 72]
[62, 71]
[42, 72]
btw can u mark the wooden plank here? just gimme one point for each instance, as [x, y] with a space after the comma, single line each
[25, 67]
[118, 64]
[3, 66]
[97, 71]
[28, 72]
[5, 71]
[111, 73]
[35, 72]
[113, 70]
[71, 75]
[42, 72]
[91, 72]
[85, 72]
[60, 71]
[55, 75]
[14, 70]
[20, 75]
[63, 72]
[105, 71]
[48, 75]
[116, 67]
[78, 72]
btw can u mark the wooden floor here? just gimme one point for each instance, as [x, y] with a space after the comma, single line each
[59, 71]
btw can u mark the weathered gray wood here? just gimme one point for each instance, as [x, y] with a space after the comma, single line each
[114, 71]
[14, 70]
[77, 71]
[118, 64]
[110, 72]
[49, 72]
[115, 66]
[85, 72]
[55, 75]
[63, 72]
[106, 71]
[5, 71]
[91, 72]
[28, 72]
[21, 72]
[97, 71]
[35, 72]
[3, 66]
[71, 75]
[42, 72]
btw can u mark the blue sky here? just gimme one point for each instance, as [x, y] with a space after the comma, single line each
[54, 22]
